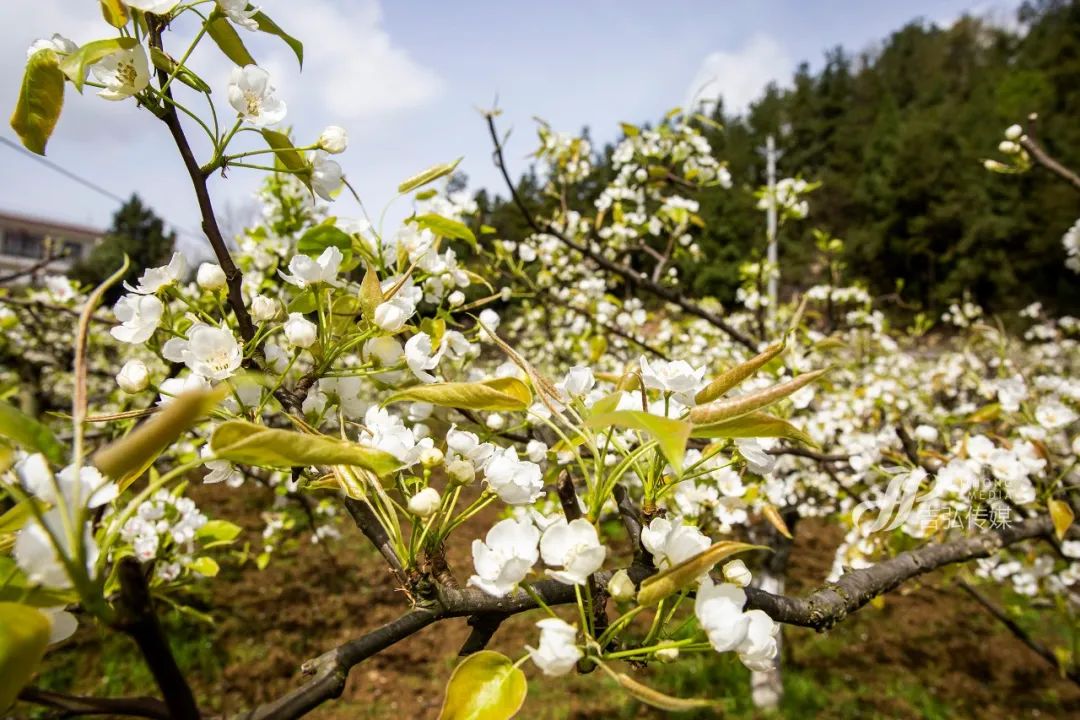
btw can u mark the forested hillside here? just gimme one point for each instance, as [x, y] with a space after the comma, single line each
[897, 134]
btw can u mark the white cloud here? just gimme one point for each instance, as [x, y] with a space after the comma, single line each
[739, 76]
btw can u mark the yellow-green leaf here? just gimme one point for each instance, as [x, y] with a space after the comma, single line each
[1061, 515]
[484, 686]
[30, 435]
[41, 98]
[744, 404]
[75, 65]
[207, 567]
[24, 635]
[501, 394]
[445, 227]
[114, 12]
[216, 532]
[371, 295]
[681, 576]
[129, 457]
[776, 520]
[13, 520]
[162, 61]
[430, 175]
[286, 154]
[228, 40]
[250, 444]
[751, 425]
[670, 434]
[267, 25]
[730, 378]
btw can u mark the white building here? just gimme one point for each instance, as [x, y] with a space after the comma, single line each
[25, 242]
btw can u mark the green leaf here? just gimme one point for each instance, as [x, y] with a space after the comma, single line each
[114, 12]
[753, 425]
[744, 404]
[41, 98]
[24, 635]
[287, 155]
[207, 567]
[129, 457]
[429, 175]
[216, 532]
[13, 520]
[685, 574]
[445, 227]
[228, 40]
[303, 303]
[320, 237]
[670, 434]
[30, 435]
[737, 374]
[500, 394]
[250, 444]
[77, 63]
[162, 61]
[267, 25]
[371, 295]
[484, 686]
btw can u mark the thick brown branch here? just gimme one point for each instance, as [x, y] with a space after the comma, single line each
[76, 706]
[630, 276]
[139, 621]
[1040, 156]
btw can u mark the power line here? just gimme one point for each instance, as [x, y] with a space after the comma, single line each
[87, 183]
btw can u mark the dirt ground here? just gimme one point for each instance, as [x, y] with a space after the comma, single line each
[929, 652]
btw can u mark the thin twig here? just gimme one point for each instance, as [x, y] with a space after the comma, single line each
[1043, 158]
[78, 706]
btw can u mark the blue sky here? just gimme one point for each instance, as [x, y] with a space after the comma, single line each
[405, 79]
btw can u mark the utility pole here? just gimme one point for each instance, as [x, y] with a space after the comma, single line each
[770, 231]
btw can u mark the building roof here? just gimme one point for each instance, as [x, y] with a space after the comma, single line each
[46, 225]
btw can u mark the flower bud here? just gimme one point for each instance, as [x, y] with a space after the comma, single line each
[425, 503]
[490, 319]
[1008, 147]
[133, 377]
[210, 276]
[430, 457]
[736, 573]
[300, 331]
[1013, 132]
[621, 587]
[263, 309]
[461, 472]
[505, 293]
[495, 421]
[334, 140]
[668, 654]
[456, 299]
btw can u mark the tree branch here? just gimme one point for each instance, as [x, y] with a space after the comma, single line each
[373, 530]
[630, 276]
[138, 620]
[1020, 633]
[1042, 157]
[76, 706]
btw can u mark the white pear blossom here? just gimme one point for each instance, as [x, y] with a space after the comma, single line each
[57, 43]
[672, 542]
[173, 387]
[210, 276]
[575, 547]
[87, 486]
[736, 573]
[388, 433]
[133, 376]
[515, 481]
[333, 140]
[123, 73]
[425, 503]
[505, 557]
[42, 562]
[252, 96]
[240, 13]
[757, 459]
[154, 279]
[263, 309]
[579, 380]
[157, 7]
[305, 271]
[327, 177]
[758, 650]
[420, 358]
[719, 610]
[621, 587]
[676, 376]
[558, 652]
[139, 316]
[220, 470]
[1053, 414]
[212, 352]
[299, 331]
[392, 314]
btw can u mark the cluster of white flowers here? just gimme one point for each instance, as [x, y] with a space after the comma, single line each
[163, 529]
